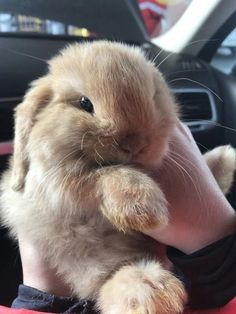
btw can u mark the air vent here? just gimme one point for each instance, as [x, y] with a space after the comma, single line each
[191, 65]
[195, 105]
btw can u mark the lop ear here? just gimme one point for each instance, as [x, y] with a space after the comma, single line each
[38, 96]
[163, 95]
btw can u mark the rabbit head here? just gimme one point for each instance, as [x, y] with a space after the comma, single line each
[101, 103]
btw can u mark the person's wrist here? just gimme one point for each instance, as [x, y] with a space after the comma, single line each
[193, 237]
[37, 273]
[215, 233]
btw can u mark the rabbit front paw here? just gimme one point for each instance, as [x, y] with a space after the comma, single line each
[133, 201]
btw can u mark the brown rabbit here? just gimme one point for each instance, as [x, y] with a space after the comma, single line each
[77, 186]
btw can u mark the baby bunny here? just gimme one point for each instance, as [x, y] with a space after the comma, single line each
[76, 185]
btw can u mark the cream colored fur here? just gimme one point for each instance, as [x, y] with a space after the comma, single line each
[78, 193]
[222, 163]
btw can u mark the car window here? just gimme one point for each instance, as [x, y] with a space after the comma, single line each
[225, 56]
[21, 23]
[120, 20]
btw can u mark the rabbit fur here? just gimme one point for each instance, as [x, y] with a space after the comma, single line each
[79, 183]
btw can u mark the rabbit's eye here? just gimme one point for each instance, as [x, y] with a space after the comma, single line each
[86, 104]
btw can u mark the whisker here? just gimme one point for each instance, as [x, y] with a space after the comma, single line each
[100, 141]
[83, 137]
[158, 54]
[177, 171]
[81, 170]
[198, 193]
[97, 160]
[99, 155]
[25, 55]
[182, 159]
[114, 140]
[191, 43]
[203, 146]
[188, 175]
[40, 188]
[63, 182]
[75, 166]
[193, 81]
[115, 147]
[53, 170]
[167, 57]
[214, 123]
[185, 161]
[183, 71]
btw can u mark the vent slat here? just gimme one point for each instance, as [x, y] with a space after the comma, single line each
[194, 106]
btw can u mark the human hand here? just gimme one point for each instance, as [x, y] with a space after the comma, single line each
[199, 212]
[37, 272]
[195, 202]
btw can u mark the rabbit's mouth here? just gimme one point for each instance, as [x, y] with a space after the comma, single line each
[110, 163]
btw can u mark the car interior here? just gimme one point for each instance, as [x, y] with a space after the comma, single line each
[206, 95]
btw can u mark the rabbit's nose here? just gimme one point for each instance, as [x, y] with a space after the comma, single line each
[133, 143]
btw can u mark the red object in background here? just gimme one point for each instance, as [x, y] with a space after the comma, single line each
[5, 149]
[152, 12]
[230, 308]
[6, 310]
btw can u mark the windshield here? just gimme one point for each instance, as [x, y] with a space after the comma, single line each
[133, 20]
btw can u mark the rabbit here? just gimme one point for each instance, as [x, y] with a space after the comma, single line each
[87, 136]
[222, 163]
